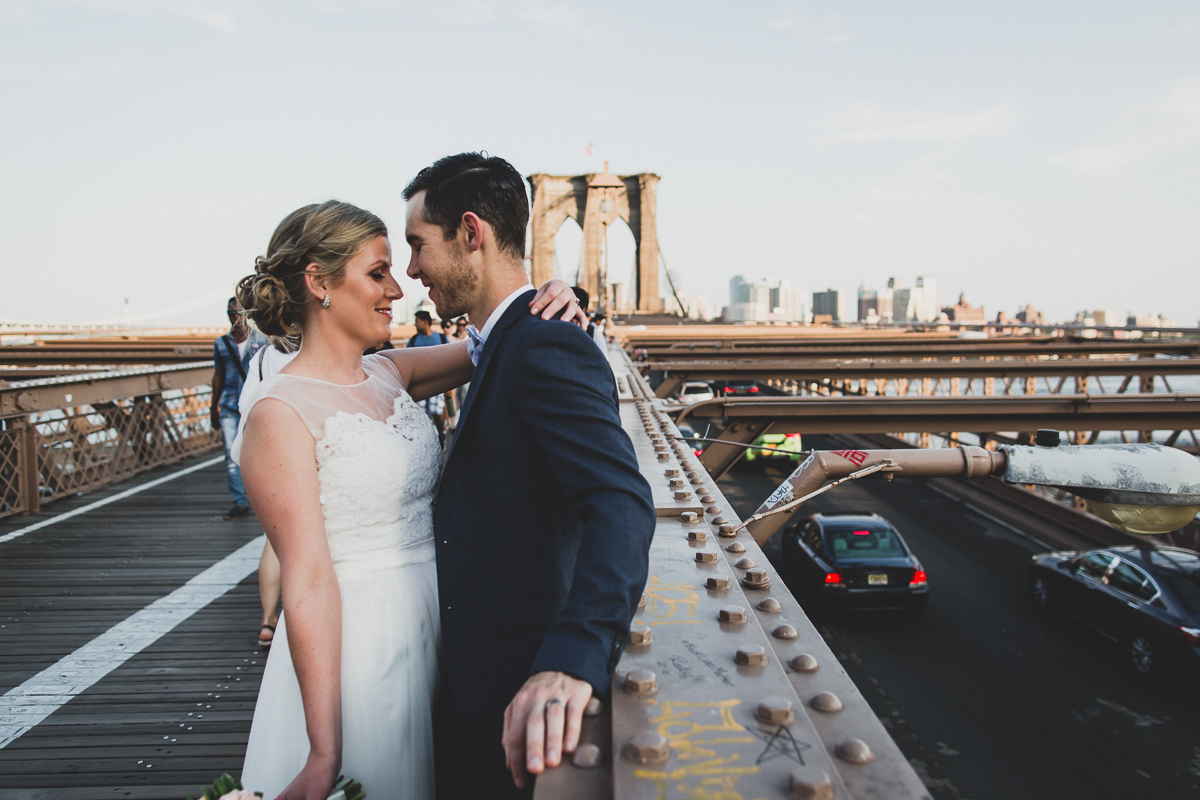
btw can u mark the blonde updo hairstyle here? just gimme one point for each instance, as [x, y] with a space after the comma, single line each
[324, 235]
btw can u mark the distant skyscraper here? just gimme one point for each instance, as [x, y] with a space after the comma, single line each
[833, 303]
[925, 302]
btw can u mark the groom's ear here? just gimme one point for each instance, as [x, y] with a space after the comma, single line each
[472, 230]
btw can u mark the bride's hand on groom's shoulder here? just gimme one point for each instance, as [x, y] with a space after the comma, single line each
[315, 781]
[543, 722]
[556, 296]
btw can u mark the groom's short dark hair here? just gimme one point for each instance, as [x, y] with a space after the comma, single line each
[486, 185]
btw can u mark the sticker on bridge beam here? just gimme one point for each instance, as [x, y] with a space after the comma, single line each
[856, 457]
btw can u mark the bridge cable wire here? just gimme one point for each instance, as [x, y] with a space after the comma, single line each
[862, 473]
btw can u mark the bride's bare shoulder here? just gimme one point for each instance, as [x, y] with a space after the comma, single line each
[273, 419]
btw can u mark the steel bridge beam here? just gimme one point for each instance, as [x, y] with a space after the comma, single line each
[897, 348]
[675, 373]
[1124, 412]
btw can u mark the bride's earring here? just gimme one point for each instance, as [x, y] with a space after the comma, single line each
[325, 302]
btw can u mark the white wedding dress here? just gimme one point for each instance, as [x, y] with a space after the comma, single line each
[378, 459]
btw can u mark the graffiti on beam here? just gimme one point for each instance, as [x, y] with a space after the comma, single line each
[855, 457]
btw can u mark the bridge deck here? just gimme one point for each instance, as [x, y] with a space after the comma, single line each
[174, 715]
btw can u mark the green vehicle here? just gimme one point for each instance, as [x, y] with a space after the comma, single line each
[786, 446]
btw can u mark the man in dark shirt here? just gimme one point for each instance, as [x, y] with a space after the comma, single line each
[435, 406]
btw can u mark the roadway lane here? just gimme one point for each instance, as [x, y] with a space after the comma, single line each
[985, 696]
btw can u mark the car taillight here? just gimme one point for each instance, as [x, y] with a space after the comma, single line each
[1192, 635]
[791, 436]
[754, 388]
[832, 577]
[919, 578]
[699, 452]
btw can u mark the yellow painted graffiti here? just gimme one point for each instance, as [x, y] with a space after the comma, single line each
[705, 773]
[670, 600]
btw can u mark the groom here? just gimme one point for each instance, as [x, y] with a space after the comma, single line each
[543, 521]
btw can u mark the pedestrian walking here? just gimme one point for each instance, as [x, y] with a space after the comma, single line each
[267, 362]
[425, 336]
[231, 358]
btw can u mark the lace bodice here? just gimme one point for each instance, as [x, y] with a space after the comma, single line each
[378, 460]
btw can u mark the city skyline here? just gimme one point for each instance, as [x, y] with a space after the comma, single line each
[1022, 154]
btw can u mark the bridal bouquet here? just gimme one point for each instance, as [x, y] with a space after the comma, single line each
[226, 788]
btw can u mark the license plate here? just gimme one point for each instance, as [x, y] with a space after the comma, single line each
[877, 580]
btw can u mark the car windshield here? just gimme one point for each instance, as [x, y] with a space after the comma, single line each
[696, 390]
[1187, 589]
[864, 542]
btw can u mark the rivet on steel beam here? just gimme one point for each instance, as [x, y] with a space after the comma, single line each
[727, 530]
[640, 634]
[736, 547]
[675, 483]
[648, 747]
[785, 632]
[745, 563]
[769, 606]
[752, 655]
[732, 614]
[642, 681]
[706, 557]
[688, 465]
[775, 711]
[855, 751]
[682, 495]
[826, 703]
[804, 663]
[672, 473]
[707, 499]
[810, 783]
[697, 536]
[697, 482]
[660, 448]
[718, 582]
[664, 456]
[690, 516]
[594, 708]
[756, 579]
[587, 756]
[719, 521]
[691, 473]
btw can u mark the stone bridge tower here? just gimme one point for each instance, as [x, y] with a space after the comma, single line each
[594, 200]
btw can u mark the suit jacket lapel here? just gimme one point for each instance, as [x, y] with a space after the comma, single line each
[511, 314]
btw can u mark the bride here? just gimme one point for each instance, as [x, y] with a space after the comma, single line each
[341, 466]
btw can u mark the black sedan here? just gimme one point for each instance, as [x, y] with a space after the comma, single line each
[854, 561]
[1146, 599]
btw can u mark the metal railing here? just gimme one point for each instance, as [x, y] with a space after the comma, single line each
[62, 436]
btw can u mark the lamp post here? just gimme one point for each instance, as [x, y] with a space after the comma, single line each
[606, 207]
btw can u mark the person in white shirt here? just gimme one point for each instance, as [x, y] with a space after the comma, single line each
[265, 363]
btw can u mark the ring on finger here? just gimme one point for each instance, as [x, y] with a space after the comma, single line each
[553, 702]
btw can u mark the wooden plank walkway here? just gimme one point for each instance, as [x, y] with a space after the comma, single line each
[172, 717]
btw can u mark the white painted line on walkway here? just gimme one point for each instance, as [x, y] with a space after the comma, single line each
[119, 496]
[37, 698]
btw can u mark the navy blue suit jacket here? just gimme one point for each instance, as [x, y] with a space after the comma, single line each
[543, 522]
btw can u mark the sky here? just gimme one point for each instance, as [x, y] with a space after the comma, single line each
[1021, 152]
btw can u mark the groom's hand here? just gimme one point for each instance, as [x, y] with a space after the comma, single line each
[542, 722]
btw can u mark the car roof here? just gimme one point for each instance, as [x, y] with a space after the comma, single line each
[849, 520]
[1161, 559]
[696, 383]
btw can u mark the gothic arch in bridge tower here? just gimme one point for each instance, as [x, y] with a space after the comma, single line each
[594, 201]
